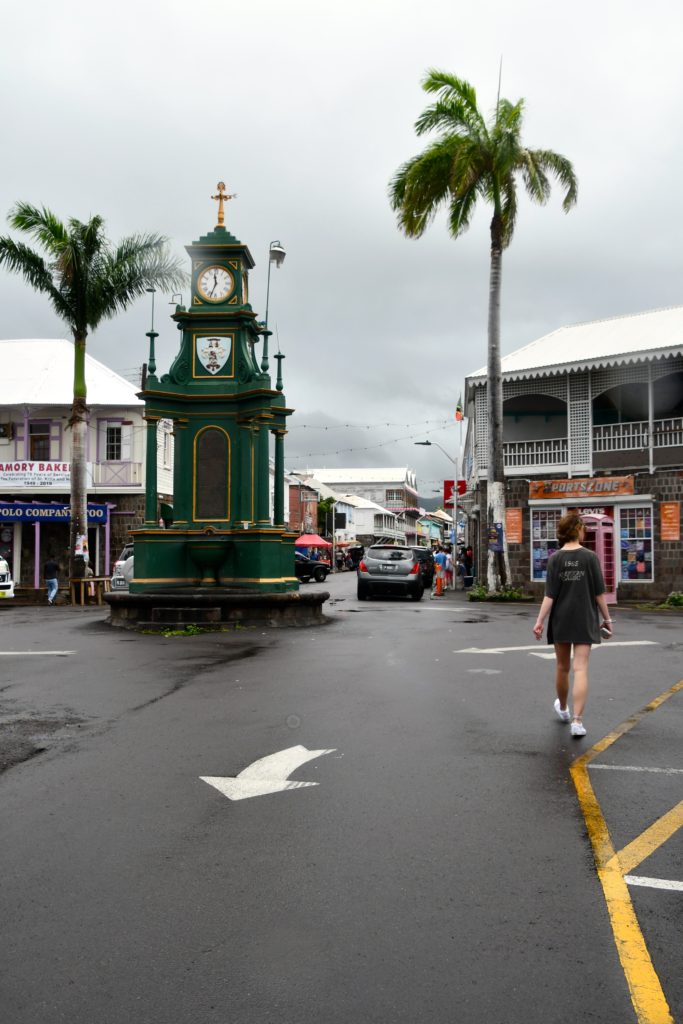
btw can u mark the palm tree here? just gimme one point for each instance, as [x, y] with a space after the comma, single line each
[86, 280]
[470, 160]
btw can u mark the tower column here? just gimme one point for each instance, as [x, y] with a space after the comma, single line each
[181, 462]
[262, 473]
[245, 490]
[279, 502]
[151, 472]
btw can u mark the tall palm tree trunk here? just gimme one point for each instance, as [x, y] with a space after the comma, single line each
[79, 429]
[498, 567]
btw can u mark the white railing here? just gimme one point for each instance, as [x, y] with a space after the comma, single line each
[117, 474]
[551, 451]
[668, 433]
[618, 437]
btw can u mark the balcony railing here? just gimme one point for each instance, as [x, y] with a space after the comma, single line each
[619, 437]
[117, 474]
[552, 451]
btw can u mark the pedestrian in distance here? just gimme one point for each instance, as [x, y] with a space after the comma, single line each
[51, 576]
[574, 594]
[439, 570]
[448, 570]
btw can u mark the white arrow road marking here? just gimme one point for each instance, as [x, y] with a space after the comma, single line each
[534, 647]
[487, 671]
[653, 883]
[267, 775]
[35, 654]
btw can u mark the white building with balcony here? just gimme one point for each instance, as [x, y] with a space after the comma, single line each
[393, 489]
[592, 419]
[374, 524]
[35, 457]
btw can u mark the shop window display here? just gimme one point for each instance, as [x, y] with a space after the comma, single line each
[636, 545]
[543, 539]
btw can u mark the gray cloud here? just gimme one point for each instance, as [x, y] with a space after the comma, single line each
[306, 110]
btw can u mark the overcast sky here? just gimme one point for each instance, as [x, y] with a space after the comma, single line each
[135, 110]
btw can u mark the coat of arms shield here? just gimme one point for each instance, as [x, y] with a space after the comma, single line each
[212, 353]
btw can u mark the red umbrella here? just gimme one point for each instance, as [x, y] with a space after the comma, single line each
[311, 540]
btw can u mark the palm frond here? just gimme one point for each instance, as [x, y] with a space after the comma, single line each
[459, 94]
[534, 177]
[461, 210]
[21, 259]
[508, 210]
[563, 170]
[41, 224]
[422, 184]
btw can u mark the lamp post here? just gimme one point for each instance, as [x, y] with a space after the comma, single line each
[152, 334]
[429, 444]
[276, 255]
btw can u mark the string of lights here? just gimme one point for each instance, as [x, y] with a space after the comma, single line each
[347, 451]
[364, 426]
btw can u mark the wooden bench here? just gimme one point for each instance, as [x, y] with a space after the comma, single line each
[102, 585]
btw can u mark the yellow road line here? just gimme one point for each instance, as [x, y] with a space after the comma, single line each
[651, 839]
[644, 986]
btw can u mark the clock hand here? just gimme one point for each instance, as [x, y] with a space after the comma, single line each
[215, 284]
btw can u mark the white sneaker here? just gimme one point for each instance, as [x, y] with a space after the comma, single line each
[578, 728]
[564, 716]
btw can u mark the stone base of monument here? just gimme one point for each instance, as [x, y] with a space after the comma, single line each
[194, 606]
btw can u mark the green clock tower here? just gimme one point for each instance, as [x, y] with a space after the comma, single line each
[227, 418]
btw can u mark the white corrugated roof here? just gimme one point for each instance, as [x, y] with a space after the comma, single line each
[357, 502]
[39, 371]
[598, 343]
[366, 476]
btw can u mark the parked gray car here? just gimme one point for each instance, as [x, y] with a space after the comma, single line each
[389, 569]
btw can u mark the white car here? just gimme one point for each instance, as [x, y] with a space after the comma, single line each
[6, 581]
[123, 574]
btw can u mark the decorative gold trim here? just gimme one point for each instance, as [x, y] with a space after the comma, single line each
[234, 263]
[196, 301]
[202, 430]
[256, 579]
[233, 301]
[231, 359]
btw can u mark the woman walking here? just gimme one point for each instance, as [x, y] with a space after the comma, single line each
[574, 593]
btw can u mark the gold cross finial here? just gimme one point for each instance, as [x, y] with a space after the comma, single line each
[222, 198]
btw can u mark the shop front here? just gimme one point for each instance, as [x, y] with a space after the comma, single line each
[630, 524]
[30, 532]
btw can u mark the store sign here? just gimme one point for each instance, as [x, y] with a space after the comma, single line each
[670, 515]
[35, 512]
[35, 474]
[513, 525]
[602, 486]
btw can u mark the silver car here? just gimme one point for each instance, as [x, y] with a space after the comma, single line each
[389, 569]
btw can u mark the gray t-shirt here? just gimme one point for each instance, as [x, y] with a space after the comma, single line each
[574, 581]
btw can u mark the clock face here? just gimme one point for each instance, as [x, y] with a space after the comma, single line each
[215, 284]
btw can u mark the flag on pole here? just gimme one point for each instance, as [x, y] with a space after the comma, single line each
[458, 410]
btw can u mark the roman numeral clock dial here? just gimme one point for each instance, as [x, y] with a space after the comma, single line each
[215, 284]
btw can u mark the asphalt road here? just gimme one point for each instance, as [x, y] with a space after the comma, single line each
[440, 871]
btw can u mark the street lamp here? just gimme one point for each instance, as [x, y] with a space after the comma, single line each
[429, 444]
[276, 255]
[437, 445]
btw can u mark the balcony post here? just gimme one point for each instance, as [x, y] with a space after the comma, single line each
[650, 419]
